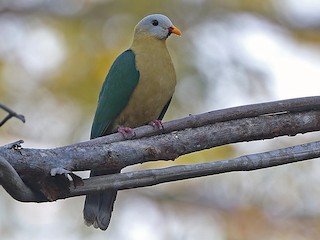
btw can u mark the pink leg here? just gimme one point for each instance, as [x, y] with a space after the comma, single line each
[157, 123]
[127, 132]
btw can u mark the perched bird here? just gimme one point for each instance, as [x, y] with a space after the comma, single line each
[137, 90]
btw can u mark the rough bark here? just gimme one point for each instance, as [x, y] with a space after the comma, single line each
[44, 170]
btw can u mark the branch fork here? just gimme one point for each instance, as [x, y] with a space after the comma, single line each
[39, 175]
[10, 115]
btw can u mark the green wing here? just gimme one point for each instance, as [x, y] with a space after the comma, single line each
[116, 90]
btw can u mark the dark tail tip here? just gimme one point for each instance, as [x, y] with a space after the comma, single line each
[98, 209]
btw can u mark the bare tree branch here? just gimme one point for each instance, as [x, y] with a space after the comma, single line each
[13, 184]
[96, 154]
[246, 111]
[156, 176]
[10, 115]
[190, 134]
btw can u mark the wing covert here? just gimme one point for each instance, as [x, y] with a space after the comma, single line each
[115, 93]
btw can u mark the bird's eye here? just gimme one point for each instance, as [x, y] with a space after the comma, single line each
[155, 22]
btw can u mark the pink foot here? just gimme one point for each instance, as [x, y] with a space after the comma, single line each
[127, 132]
[157, 123]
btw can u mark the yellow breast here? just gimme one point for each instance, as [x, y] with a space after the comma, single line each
[156, 84]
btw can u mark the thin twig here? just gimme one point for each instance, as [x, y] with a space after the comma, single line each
[10, 115]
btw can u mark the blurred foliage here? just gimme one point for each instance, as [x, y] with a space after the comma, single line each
[54, 56]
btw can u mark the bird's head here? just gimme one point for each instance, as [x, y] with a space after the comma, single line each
[156, 25]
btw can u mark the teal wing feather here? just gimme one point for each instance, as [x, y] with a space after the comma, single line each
[117, 88]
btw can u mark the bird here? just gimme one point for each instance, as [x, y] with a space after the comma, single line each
[137, 91]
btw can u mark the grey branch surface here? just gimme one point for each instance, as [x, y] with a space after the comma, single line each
[182, 136]
[13, 184]
[156, 176]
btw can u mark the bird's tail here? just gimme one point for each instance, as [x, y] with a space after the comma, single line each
[98, 206]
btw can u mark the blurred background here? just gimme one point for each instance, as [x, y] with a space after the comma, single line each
[54, 56]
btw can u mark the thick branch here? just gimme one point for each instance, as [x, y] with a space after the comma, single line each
[156, 176]
[96, 154]
[10, 115]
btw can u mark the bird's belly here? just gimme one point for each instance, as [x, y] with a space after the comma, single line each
[145, 105]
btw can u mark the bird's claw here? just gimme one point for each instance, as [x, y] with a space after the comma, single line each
[127, 133]
[157, 123]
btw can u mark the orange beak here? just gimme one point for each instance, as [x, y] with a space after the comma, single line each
[175, 30]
